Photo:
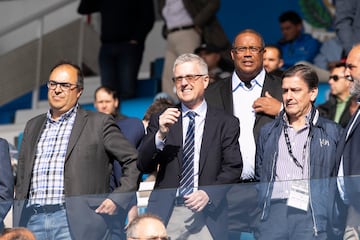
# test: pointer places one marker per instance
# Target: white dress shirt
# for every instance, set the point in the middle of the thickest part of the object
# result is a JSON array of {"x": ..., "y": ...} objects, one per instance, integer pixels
[
  {"x": 243, "y": 99},
  {"x": 199, "y": 130}
]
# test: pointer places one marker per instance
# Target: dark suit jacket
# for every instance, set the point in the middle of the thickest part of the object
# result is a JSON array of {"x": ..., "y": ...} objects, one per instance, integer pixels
[
  {"x": 95, "y": 140},
  {"x": 6, "y": 181},
  {"x": 350, "y": 150},
  {"x": 220, "y": 163},
  {"x": 328, "y": 110},
  {"x": 219, "y": 95},
  {"x": 134, "y": 131}
]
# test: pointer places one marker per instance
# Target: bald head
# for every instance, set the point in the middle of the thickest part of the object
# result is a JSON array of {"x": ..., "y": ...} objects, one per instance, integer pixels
[{"x": 146, "y": 226}]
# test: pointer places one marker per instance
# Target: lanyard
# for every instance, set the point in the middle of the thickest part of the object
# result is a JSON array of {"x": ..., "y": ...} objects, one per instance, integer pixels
[{"x": 288, "y": 144}]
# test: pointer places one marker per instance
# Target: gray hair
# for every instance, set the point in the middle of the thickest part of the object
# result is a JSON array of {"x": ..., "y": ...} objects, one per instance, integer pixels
[{"x": 189, "y": 57}]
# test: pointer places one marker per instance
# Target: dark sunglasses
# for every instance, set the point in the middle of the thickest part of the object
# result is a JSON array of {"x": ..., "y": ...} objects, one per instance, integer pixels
[{"x": 335, "y": 77}]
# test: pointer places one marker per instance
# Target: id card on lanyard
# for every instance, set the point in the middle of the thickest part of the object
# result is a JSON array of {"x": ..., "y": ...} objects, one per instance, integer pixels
[{"x": 299, "y": 195}]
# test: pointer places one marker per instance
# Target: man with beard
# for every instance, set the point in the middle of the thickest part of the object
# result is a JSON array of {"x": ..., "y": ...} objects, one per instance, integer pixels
[{"x": 348, "y": 152}]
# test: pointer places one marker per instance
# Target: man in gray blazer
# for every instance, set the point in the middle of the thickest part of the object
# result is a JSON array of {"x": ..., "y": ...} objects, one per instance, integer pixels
[{"x": 65, "y": 165}]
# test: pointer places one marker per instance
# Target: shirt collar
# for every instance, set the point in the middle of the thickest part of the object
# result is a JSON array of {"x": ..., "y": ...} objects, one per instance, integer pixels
[
  {"x": 200, "y": 110},
  {"x": 257, "y": 81},
  {"x": 307, "y": 118},
  {"x": 64, "y": 116},
  {"x": 338, "y": 100}
]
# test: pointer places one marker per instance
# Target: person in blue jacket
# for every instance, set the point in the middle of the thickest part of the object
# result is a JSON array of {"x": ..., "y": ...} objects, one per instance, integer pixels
[
  {"x": 295, "y": 160},
  {"x": 6, "y": 182},
  {"x": 295, "y": 44}
]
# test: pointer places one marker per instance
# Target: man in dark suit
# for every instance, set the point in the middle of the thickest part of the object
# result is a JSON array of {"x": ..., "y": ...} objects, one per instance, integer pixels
[
  {"x": 253, "y": 96},
  {"x": 64, "y": 166},
  {"x": 348, "y": 152},
  {"x": 214, "y": 151},
  {"x": 6, "y": 182}
]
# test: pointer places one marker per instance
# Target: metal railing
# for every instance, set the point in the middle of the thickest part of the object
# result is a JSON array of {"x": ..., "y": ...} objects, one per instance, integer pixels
[{"x": 39, "y": 19}]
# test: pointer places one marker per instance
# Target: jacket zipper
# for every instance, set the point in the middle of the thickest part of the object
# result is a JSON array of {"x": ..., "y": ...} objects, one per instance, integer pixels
[
  {"x": 268, "y": 188},
  {"x": 310, "y": 198}
]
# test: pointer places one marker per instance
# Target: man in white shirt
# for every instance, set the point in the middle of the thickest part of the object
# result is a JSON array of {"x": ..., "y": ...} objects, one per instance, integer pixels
[{"x": 253, "y": 96}]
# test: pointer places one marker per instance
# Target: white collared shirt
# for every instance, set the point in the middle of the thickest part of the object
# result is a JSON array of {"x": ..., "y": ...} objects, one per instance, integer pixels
[
  {"x": 199, "y": 130},
  {"x": 175, "y": 14},
  {"x": 243, "y": 99}
]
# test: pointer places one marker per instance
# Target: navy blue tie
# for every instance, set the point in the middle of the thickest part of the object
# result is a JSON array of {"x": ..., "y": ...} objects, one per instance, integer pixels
[{"x": 187, "y": 173}]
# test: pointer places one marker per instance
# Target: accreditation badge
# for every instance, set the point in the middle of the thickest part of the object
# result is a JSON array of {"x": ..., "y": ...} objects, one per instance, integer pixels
[{"x": 299, "y": 195}]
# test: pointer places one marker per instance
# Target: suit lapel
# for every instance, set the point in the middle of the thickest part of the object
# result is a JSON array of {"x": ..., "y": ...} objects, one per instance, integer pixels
[
  {"x": 208, "y": 136},
  {"x": 174, "y": 139},
  {"x": 267, "y": 86},
  {"x": 356, "y": 123},
  {"x": 227, "y": 98},
  {"x": 37, "y": 128},
  {"x": 80, "y": 121}
]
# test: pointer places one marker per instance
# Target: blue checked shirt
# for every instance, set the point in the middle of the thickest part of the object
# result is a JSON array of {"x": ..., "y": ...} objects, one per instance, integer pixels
[{"x": 47, "y": 183}]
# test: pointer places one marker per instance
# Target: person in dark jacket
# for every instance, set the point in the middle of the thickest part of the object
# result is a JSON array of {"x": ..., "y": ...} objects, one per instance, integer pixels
[
  {"x": 6, "y": 182},
  {"x": 338, "y": 106},
  {"x": 124, "y": 28},
  {"x": 295, "y": 160}
]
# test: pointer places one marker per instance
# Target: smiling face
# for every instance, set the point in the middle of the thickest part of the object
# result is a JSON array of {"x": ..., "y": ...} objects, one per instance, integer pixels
[
  {"x": 297, "y": 97},
  {"x": 247, "y": 64},
  {"x": 190, "y": 93},
  {"x": 61, "y": 101}
]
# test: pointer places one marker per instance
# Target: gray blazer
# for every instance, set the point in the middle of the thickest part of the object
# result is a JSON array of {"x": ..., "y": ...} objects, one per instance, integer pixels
[{"x": 94, "y": 141}]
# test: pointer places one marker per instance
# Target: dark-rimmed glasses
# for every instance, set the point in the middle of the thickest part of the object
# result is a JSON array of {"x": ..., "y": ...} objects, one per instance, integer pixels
[
  {"x": 335, "y": 77},
  {"x": 243, "y": 49},
  {"x": 65, "y": 86},
  {"x": 191, "y": 78}
]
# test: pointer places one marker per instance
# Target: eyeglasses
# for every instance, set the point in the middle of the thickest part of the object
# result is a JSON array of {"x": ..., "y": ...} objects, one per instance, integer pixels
[
  {"x": 65, "y": 86},
  {"x": 243, "y": 49},
  {"x": 335, "y": 77},
  {"x": 191, "y": 78},
  {"x": 152, "y": 238},
  {"x": 350, "y": 66}
]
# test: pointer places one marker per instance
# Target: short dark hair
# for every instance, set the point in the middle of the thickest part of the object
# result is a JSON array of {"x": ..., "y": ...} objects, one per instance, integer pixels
[
  {"x": 337, "y": 65},
  {"x": 305, "y": 72},
  {"x": 80, "y": 75},
  {"x": 290, "y": 16},
  {"x": 108, "y": 90},
  {"x": 253, "y": 32},
  {"x": 158, "y": 105},
  {"x": 276, "y": 47}
]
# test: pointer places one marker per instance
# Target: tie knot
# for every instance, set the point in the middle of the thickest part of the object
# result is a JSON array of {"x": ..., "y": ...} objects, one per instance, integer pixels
[
  {"x": 191, "y": 115},
  {"x": 248, "y": 85}
]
